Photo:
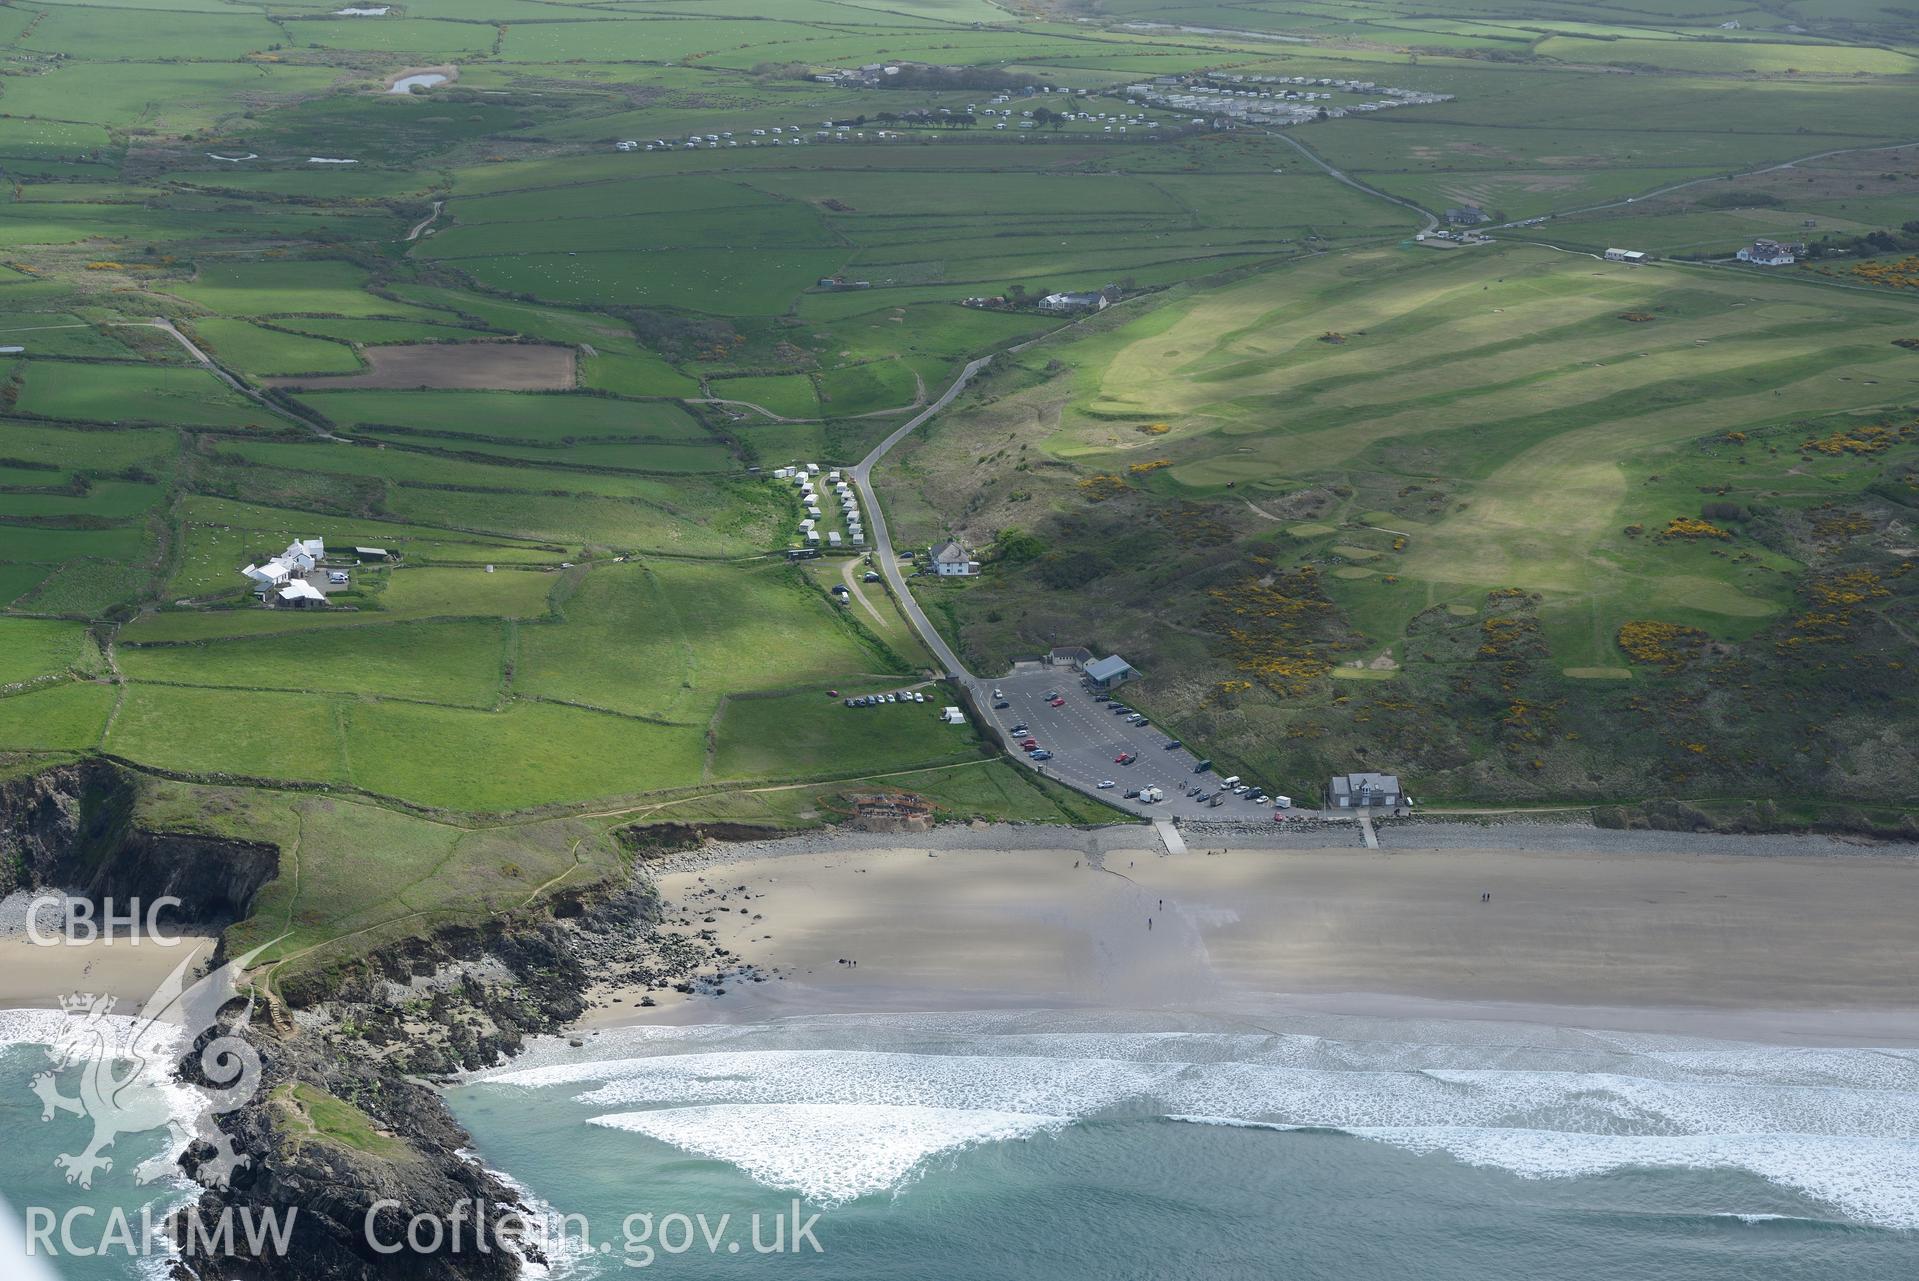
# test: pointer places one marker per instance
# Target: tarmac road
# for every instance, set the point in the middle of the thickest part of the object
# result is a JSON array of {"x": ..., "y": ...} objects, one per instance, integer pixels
[{"x": 1083, "y": 735}]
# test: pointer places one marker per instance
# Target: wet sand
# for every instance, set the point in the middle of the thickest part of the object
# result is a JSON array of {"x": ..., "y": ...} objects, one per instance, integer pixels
[{"x": 1778, "y": 948}]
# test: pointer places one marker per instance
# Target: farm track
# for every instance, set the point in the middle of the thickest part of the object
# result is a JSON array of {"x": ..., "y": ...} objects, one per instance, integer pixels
[
  {"x": 1432, "y": 219},
  {"x": 419, "y": 228}
]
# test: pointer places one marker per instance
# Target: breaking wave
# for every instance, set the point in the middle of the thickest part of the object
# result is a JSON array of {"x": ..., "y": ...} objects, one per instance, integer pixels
[{"x": 842, "y": 1108}]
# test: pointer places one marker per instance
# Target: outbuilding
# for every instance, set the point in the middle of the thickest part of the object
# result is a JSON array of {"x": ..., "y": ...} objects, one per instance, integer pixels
[
  {"x": 300, "y": 593},
  {"x": 1105, "y": 673}
]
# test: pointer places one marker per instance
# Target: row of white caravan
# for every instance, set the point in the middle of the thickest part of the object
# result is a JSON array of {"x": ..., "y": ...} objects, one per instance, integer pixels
[{"x": 803, "y": 476}]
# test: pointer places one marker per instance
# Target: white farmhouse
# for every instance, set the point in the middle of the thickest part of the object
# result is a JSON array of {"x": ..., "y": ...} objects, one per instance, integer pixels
[{"x": 950, "y": 560}]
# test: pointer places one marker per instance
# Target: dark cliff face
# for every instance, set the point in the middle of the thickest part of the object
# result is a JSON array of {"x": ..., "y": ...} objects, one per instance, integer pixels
[
  {"x": 341, "y": 1121},
  {"x": 73, "y": 828},
  {"x": 332, "y": 1189}
]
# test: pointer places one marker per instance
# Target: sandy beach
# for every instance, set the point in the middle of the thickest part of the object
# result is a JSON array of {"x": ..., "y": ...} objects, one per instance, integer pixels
[
  {"x": 1789, "y": 947},
  {"x": 35, "y": 975}
]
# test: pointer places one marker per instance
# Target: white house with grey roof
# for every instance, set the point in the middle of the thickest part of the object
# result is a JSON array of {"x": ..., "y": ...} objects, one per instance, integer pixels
[{"x": 950, "y": 560}]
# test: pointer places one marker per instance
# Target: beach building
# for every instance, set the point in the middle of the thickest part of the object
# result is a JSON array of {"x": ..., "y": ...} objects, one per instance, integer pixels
[
  {"x": 1364, "y": 790},
  {"x": 1633, "y": 256},
  {"x": 1111, "y": 671},
  {"x": 1073, "y": 656}
]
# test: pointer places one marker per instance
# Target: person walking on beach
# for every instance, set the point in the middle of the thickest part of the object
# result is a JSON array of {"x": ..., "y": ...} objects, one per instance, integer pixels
[{"x": 1149, "y": 925}]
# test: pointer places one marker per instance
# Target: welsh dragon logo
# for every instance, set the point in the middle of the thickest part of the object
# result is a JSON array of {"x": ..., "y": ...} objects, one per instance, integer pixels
[{"x": 126, "y": 1080}]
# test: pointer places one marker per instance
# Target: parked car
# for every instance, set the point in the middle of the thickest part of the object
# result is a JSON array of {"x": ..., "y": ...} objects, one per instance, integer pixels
[
  {"x": 1196, "y": 791},
  {"x": 1200, "y": 767},
  {"x": 1057, "y": 702},
  {"x": 1050, "y": 695},
  {"x": 1018, "y": 729},
  {"x": 832, "y": 693},
  {"x": 1042, "y": 755},
  {"x": 999, "y": 693},
  {"x": 1029, "y": 743},
  {"x": 1171, "y": 743},
  {"x": 1121, "y": 759},
  {"x": 849, "y": 702},
  {"x": 1132, "y": 793},
  {"x": 1001, "y": 705},
  {"x": 1105, "y": 783}
]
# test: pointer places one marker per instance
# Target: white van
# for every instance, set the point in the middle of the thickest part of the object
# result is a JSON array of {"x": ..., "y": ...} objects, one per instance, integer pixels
[{"x": 1229, "y": 782}]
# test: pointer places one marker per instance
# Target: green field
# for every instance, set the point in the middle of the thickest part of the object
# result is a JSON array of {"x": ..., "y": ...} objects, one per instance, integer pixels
[{"x": 1517, "y": 522}]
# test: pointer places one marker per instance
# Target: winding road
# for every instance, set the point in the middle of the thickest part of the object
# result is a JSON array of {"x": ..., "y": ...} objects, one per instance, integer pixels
[{"x": 883, "y": 553}]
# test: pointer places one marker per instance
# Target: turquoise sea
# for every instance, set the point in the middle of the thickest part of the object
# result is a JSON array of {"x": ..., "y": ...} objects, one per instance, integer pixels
[
  {"x": 1060, "y": 1146},
  {"x": 1066, "y": 1146}
]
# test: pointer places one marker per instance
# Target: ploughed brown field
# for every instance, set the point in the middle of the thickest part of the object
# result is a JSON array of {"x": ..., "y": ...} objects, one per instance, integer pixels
[{"x": 466, "y": 366}]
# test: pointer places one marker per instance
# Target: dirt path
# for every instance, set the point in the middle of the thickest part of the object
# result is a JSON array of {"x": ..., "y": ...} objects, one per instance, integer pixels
[
  {"x": 419, "y": 228},
  {"x": 854, "y": 586}
]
